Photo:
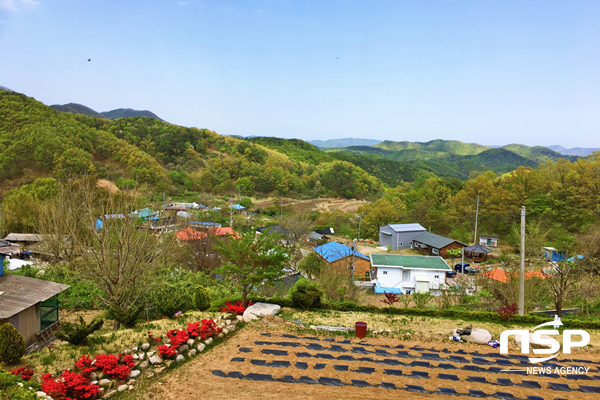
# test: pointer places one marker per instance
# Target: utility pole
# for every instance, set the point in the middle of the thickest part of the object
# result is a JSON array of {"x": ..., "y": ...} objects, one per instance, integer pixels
[
  {"x": 522, "y": 269},
  {"x": 1, "y": 230},
  {"x": 282, "y": 205},
  {"x": 359, "y": 221},
  {"x": 230, "y": 212},
  {"x": 476, "y": 217},
  {"x": 353, "y": 258}
]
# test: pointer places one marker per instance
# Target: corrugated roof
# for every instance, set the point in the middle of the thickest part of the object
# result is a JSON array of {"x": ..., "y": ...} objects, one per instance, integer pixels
[
  {"x": 21, "y": 292},
  {"x": 406, "y": 227},
  {"x": 191, "y": 234},
  {"x": 226, "y": 231},
  {"x": 433, "y": 240},
  {"x": 334, "y": 251},
  {"x": 274, "y": 228},
  {"x": 23, "y": 237},
  {"x": 477, "y": 248},
  {"x": 412, "y": 262},
  {"x": 489, "y": 236}
]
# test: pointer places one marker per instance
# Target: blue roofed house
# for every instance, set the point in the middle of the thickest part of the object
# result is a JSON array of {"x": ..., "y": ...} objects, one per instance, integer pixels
[
  {"x": 394, "y": 273},
  {"x": 399, "y": 236},
  {"x": 338, "y": 255}
]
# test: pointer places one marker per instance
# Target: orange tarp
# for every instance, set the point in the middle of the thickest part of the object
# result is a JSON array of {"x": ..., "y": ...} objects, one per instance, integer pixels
[
  {"x": 190, "y": 234},
  {"x": 500, "y": 275},
  {"x": 226, "y": 231}
]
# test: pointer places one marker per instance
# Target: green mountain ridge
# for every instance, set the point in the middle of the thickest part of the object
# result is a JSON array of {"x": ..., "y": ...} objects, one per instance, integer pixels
[
  {"x": 345, "y": 142},
  {"x": 76, "y": 108}
]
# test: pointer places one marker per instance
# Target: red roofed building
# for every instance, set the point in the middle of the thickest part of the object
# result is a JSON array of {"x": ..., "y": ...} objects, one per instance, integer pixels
[
  {"x": 224, "y": 232},
  {"x": 191, "y": 234}
]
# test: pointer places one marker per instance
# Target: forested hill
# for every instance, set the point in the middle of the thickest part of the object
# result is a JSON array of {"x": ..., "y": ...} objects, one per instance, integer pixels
[
  {"x": 113, "y": 114},
  {"x": 37, "y": 141}
]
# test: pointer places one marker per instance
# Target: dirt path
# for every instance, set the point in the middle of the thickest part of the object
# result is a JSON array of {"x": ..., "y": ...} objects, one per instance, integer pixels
[{"x": 254, "y": 362}]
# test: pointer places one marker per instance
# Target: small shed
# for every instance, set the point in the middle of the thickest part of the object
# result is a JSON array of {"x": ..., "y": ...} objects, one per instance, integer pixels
[
  {"x": 477, "y": 252},
  {"x": 553, "y": 255},
  {"x": 435, "y": 245},
  {"x": 488, "y": 240},
  {"x": 274, "y": 229},
  {"x": 24, "y": 238},
  {"x": 339, "y": 255},
  {"x": 223, "y": 232},
  {"x": 29, "y": 304},
  {"x": 191, "y": 234}
]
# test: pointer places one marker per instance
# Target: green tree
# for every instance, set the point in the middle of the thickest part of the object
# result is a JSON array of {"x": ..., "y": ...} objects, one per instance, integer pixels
[
  {"x": 453, "y": 253},
  {"x": 312, "y": 265},
  {"x": 245, "y": 185},
  {"x": 251, "y": 260}
]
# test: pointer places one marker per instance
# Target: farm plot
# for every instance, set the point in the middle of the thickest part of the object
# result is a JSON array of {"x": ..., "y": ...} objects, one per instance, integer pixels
[{"x": 327, "y": 362}]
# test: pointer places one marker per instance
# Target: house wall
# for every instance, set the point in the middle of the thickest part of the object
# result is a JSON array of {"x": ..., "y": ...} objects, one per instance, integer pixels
[
  {"x": 385, "y": 240},
  {"x": 406, "y": 279},
  {"x": 443, "y": 252},
  {"x": 491, "y": 243},
  {"x": 361, "y": 266},
  {"x": 27, "y": 323}
]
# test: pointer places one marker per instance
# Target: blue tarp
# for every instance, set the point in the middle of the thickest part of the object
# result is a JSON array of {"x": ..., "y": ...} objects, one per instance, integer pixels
[
  {"x": 333, "y": 251},
  {"x": 238, "y": 207},
  {"x": 99, "y": 224},
  {"x": 579, "y": 256},
  {"x": 382, "y": 290}
]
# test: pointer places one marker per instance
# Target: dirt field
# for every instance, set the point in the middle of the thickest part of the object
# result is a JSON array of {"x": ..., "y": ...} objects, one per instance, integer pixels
[
  {"x": 263, "y": 362},
  {"x": 303, "y": 206}
]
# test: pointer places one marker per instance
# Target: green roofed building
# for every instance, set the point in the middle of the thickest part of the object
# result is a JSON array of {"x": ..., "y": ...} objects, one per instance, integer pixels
[{"x": 394, "y": 273}]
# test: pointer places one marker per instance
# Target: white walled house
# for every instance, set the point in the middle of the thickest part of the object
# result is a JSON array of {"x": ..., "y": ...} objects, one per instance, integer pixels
[{"x": 407, "y": 274}]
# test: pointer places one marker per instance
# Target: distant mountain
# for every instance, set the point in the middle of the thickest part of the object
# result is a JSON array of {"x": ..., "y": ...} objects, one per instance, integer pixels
[
  {"x": 114, "y": 114},
  {"x": 325, "y": 144},
  {"x": 6, "y": 89},
  {"x": 128, "y": 112},
  {"x": 77, "y": 109},
  {"x": 575, "y": 151},
  {"x": 438, "y": 146}
]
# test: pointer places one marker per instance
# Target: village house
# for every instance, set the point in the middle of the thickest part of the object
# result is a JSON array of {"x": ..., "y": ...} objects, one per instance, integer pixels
[
  {"x": 399, "y": 236},
  {"x": 435, "y": 245},
  {"x": 30, "y": 305},
  {"x": 488, "y": 240},
  {"x": 400, "y": 274},
  {"x": 337, "y": 255}
]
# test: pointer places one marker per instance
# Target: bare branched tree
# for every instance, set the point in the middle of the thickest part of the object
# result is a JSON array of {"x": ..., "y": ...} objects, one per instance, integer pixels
[{"x": 120, "y": 259}]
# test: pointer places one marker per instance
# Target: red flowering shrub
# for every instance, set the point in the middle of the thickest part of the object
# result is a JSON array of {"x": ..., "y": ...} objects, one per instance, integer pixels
[
  {"x": 178, "y": 337},
  {"x": 152, "y": 339},
  {"x": 237, "y": 308},
  {"x": 70, "y": 386},
  {"x": 507, "y": 311},
  {"x": 193, "y": 329},
  {"x": 85, "y": 365},
  {"x": 166, "y": 351},
  {"x": 209, "y": 329},
  {"x": 24, "y": 372},
  {"x": 115, "y": 367}
]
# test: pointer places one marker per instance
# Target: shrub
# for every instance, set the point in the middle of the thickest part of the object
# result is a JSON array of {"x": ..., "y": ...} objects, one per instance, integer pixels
[
  {"x": 115, "y": 366},
  {"x": 128, "y": 318},
  {"x": 306, "y": 294},
  {"x": 508, "y": 311},
  {"x": 22, "y": 394},
  {"x": 237, "y": 308},
  {"x": 12, "y": 344},
  {"x": 421, "y": 299},
  {"x": 69, "y": 385},
  {"x": 166, "y": 351},
  {"x": 24, "y": 373},
  {"x": 170, "y": 298},
  {"x": 77, "y": 333},
  {"x": 202, "y": 298},
  {"x": 209, "y": 329},
  {"x": 178, "y": 337}
]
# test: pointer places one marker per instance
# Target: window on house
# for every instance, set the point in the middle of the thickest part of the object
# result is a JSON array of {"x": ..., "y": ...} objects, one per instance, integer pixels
[
  {"x": 401, "y": 244},
  {"x": 385, "y": 272},
  {"x": 437, "y": 276},
  {"x": 435, "y": 251}
]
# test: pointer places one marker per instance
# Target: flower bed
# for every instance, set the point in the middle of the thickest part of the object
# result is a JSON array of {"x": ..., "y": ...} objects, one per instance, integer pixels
[{"x": 237, "y": 308}]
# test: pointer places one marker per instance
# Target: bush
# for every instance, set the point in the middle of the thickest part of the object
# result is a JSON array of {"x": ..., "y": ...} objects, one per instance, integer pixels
[
  {"x": 306, "y": 294},
  {"x": 22, "y": 394},
  {"x": 77, "y": 333},
  {"x": 202, "y": 298},
  {"x": 12, "y": 344},
  {"x": 421, "y": 299},
  {"x": 127, "y": 318}
]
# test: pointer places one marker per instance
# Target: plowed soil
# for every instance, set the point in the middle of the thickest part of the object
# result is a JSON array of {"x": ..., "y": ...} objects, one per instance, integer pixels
[{"x": 277, "y": 365}]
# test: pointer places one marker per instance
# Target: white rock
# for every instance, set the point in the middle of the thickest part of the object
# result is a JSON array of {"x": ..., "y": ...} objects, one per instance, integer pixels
[
  {"x": 228, "y": 322},
  {"x": 231, "y": 328},
  {"x": 179, "y": 359},
  {"x": 107, "y": 395},
  {"x": 480, "y": 336},
  {"x": 259, "y": 310},
  {"x": 150, "y": 354},
  {"x": 134, "y": 349},
  {"x": 93, "y": 376},
  {"x": 92, "y": 383},
  {"x": 225, "y": 331},
  {"x": 182, "y": 348},
  {"x": 135, "y": 357},
  {"x": 122, "y": 388},
  {"x": 533, "y": 343},
  {"x": 40, "y": 394},
  {"x": 107, "y": 383},
  {"x": 130, "y": 387},
  {"x": 155, "y": 360},
  {"x": 126, "y": 351},
  {"x": 220, "y": 335},
  {"x": 141, "y": 356},
  {"x": 135, "y": 373},
  {"x": 190, "y": 342},
  {"x": 201, "y": 347},
  {"x": 192, "y": 353},
  {"x": 144, "y": 365},
  {"x": 209, "y": 340},
  {"x": 145, "y": 346},
  {"x": 239, "y": 317}
]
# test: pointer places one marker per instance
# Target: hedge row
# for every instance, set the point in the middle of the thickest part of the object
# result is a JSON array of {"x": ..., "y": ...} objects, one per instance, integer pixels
[{"x": 476, "y": 316}]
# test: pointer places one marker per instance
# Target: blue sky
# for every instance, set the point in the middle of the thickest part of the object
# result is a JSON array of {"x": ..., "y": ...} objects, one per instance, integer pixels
[{"x": 489, "y": 72}]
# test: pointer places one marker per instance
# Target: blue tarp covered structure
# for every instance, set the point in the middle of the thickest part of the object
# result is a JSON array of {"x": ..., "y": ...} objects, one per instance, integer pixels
[
  {"x": 334, "y": 251},
  {"x": 579, "y": 256},
  {"x": 144, "y": 213},
  {"x": 238, "y": 207},
  {"x": 382, "y": 290}
]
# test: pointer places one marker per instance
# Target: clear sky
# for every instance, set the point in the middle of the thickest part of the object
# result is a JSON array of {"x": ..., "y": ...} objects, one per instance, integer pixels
[{"x": 489, "y": 72}]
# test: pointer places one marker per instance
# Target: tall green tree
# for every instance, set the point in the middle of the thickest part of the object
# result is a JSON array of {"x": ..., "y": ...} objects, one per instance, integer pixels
[{"x": 251, "y": 260}]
